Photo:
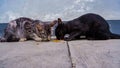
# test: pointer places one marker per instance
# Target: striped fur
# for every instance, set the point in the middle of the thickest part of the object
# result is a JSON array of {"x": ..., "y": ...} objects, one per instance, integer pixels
[{"x": 19, "y": 29}]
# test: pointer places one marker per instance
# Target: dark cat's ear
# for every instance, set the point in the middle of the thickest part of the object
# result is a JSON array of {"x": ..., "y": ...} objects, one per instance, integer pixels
[
  {"x": 53, "y": 23},
  {"x": 59, "y": 21}
]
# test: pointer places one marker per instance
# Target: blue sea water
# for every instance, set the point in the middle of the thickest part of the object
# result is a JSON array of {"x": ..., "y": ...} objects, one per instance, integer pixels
[
  {"x": 114, "y": 26},
  {"x": 2, "y": 27}
]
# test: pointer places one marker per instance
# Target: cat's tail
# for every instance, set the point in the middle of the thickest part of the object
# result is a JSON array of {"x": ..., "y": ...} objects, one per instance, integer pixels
[
  {"x": 114, "y": 36},
  {"x": 2, "y": 39}
]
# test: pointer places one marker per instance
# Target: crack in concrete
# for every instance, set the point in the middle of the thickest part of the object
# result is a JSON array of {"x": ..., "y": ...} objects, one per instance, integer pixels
[{"x": 70, "y": 56}]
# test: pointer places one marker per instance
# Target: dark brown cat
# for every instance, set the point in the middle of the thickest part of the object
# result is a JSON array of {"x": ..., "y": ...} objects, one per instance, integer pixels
[{"x": 90, "y": 25}]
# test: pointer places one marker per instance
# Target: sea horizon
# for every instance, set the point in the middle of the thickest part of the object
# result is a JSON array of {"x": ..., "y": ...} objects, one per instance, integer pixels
[{"x": 71, "y": 19}]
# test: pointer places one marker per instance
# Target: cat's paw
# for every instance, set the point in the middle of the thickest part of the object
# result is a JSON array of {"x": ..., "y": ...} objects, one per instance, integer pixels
[
  {"x": 22, "y": 39},
  {"x": 49, "y": 38},
  {"x": 38, "y": 39}
]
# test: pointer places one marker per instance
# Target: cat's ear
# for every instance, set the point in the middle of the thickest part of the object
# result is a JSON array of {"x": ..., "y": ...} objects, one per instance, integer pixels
[
  {"x": 59, "y": 21},
  {"x": 53, "y": 23}
]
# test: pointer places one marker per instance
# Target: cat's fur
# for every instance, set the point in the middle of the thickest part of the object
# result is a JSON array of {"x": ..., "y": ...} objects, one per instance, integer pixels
[
  {"x": 90, "y": 25},
  {"x": 43, "y": 29},
  {"x": 19, "y": 29}
]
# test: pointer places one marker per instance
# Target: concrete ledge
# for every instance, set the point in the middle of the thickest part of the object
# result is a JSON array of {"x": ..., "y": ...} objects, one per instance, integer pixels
[
  {"x": 55, "y": 54},
  {"x": 32, "y": 54},
  {"x": 95, "y": 54}
]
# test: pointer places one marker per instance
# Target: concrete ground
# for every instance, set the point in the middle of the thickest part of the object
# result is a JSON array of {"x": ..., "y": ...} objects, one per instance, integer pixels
[{"x": 61, "y": 54}]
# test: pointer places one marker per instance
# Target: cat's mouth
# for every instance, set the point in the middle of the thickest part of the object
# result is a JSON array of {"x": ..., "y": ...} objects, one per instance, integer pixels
[{"x": 44, "y": 37}]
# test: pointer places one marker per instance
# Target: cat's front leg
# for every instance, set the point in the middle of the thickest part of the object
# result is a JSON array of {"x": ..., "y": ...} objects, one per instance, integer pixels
[{"x": 72, "y": 36}]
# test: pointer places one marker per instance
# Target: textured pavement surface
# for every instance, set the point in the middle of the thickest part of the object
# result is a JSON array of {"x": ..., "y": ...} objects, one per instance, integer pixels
[
  {"x": 95, "y": 54},
  {"x": 61, "y": 54}
]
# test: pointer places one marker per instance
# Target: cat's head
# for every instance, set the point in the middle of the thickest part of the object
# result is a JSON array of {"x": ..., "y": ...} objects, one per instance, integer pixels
[
  {"x": 43, "y": 30},
  {"x": 60, "y": 29}
]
